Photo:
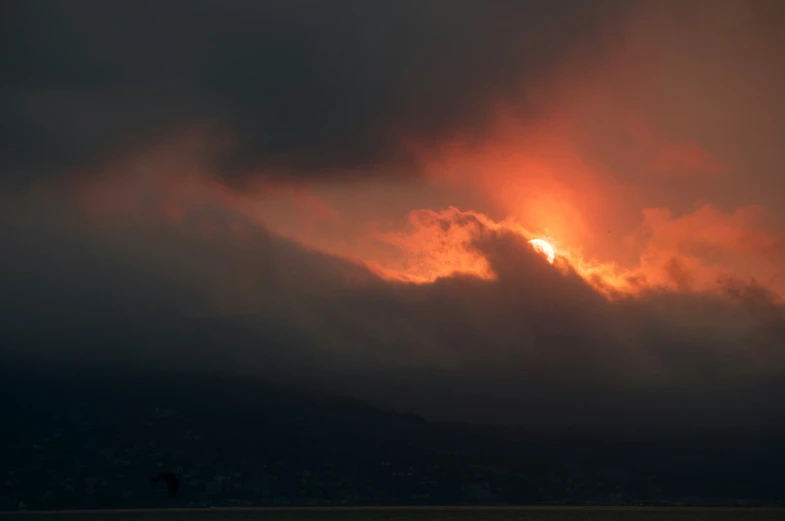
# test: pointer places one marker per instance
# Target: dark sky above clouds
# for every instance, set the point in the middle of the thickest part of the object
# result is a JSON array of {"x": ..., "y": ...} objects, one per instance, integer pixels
[
  {"x": 339, "y": 195},
  {"x": 298, "y": 85}
]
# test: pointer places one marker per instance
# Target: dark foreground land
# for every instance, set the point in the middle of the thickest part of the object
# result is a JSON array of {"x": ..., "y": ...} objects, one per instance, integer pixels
[
  {"x": 424, "y": 514},
  {"x": 93, "y": 441}
]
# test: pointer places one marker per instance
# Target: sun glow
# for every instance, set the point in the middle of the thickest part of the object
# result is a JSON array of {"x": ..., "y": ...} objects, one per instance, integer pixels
[{"x": 543, "y": 247}]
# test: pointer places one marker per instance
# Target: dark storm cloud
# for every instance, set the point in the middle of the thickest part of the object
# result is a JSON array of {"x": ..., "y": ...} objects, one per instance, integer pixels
[
  {"x": 302, "y": 87},
  {"x": 536, "y": 347}
]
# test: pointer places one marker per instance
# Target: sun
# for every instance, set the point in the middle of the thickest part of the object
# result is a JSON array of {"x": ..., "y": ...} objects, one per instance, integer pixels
[{"x": 543, "y": 247}]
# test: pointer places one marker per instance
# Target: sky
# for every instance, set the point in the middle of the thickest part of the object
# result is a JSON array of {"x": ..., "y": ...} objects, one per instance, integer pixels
[{"x": 340, "y": 195}]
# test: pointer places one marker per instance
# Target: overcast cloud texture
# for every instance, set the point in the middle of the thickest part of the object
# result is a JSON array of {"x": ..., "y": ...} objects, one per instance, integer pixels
[{"x": 339, "y": 195}]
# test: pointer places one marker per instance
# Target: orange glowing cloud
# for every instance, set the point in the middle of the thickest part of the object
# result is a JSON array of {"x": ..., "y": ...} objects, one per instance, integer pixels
[
  {"x": 534, "y": 182},
  {"x": 534, "y": 176},
  {"x": 661, "y": 154},
  {"x": 438, "y": 244},
  {"x": 164, "y": 182},
  {"x": 702, "y": 249}
]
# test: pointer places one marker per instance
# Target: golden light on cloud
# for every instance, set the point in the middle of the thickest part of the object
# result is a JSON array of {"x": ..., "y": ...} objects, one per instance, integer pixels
[
  {"x": 438, "y": 244},
  {"x": 542, "y": 246},
  {"x": 699, "y": 251}
]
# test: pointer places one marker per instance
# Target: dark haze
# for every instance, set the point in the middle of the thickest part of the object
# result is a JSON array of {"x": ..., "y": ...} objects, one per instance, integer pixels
[
  {"x": 533, "y": 348},
  {"x": 335, "y": 91},
  {"x": 285, "y": 87}
]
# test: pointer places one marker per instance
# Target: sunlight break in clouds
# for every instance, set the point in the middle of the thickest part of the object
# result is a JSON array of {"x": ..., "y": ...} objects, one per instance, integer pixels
[
  {"x": 698, "y": 252},
  {"x": 342, "y": 197}
]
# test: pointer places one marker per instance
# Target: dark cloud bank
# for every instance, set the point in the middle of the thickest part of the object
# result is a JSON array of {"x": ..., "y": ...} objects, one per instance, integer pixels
[
  {"x": 535, "y": 348},
  {"x": 296, "y": 87},
  {"x": 320, "y": 87}
]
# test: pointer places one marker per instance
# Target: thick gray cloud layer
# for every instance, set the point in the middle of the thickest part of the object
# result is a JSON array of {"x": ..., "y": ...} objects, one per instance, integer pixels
[
  {"x": 536, "y": 347},
  {"x": 324, "y": 88},
  {"x": 296, "y": 86}
]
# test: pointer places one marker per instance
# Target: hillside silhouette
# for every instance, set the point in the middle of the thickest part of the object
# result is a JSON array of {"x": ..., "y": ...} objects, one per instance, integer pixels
[{"x": 89, "y": 439}]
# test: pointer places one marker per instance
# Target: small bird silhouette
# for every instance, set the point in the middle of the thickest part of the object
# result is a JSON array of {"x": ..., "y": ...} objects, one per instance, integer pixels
[{"x": 171, "y": 481}]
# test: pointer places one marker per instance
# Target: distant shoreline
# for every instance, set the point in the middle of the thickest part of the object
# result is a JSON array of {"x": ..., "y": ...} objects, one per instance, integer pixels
[{"x": 389, "y": 508}]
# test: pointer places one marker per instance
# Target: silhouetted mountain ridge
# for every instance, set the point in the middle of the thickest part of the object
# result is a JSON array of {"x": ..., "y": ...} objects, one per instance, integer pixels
[{"x": 93, "y": 436}]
